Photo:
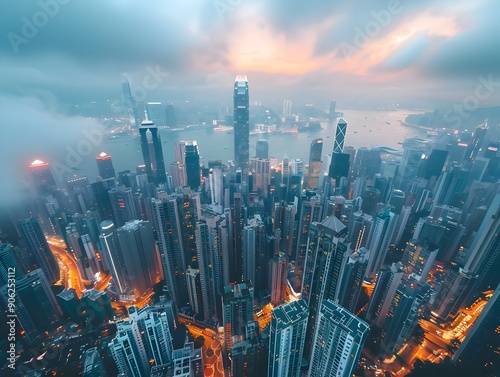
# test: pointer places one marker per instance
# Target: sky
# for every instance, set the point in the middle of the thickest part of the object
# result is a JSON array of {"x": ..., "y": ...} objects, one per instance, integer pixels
[{"x": 54, "y": 53}]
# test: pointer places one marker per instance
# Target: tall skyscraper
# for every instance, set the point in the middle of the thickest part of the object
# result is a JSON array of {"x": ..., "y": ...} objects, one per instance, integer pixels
[
  {"x": 340, "y": 133},
  {"x": 130, "y": 101},
  {"x": 137, "y": 245},
  {"x": 315, "y": 164},
  {"x": 403, "y": 314},
  {"x": 327, "y": 255},
  {"x": 192, "y": 163},
  {"x": 194, "y": 291},
  {"x": 237, "y": 221},
  {"x": 287, "y": 334},
  {"x": 142, "y": 339},
  {"x": 418, "y": 258},
  {"x": 241, "y": 122},
  {"x": 105, "y": 166},
  {"x": 43, "y": 179},
  {"x": 238, "y": 322},
  {"x": 338, "y": 341},
  {"x": 113, "y": 257},
  {"x": 123, "y": 205},
  {"x": 278, "y": 281},
  {"x": 384, "y": 225},
  {"x": 480, "y": 347},
  {"x": 32, "y": 232},
  {"x": 287, "y": 108},
  {"x": 332, "y": 113},
  {"x": 93, "y": 365},
  {"x": 152, "y": 152},
  {"x": 157, "y": 113},
  {"x": 169, "y": 233},
  {"x": 477, "y": 141},
  {"x": 262, "y": 149}
]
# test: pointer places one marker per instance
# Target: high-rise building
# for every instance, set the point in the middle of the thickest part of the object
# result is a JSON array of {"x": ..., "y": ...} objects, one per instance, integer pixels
[
  {"x": 311, "y": 211},
  {"x": 418, "y": 258},
  {"x": 43, "y": 179},
  {"x": 403, "y": 314},
  {"x": 238, "y": 322},
  {"x": 157, "y": 113},
  {"x": 262, "y": 175},
  {"x": 384, "y": 225},
  {"x": 339, "y": 168},
  {"x": 287, "y": 108},
  {"x": 142, "y": 339},
  {"x": 93, "y": 365},
  {"x": 169, "y": 235},
  {"x": 338, "y": 341},
  {"x": 352, "y": 279},
  {"x": 241, "y": 122},
  {"x": 123, "y": 205},
  {"x": 192, "y": 163},
  {"x": 477, "y": 141},
  {"x": 105, "y": 166},
  {"x": 113, "y": 257},
  {"x": 287, "y": 334},
  {"x": 237, "y": 220},
  {"x": 262, "y": 149},
  {"x": 152, "y": 152},
  {"x": 130, "y": 101},
  {"x": 388, "y": 281},
  {"x": 450, "y": 186},
  {"x": 340, "y": 133},
  {"x": 315, "y": 164},
  {"x": 278, "y": 280},
  {"x": 194, "y": 290},
  {"x": 32, "y": 232},
  {"x": 326, "y": 258},
  {"x": 332, "y": 113},
  {"x": 9, "y": 260},
  {"x": 481, "y": 345},
  {"x": 136, "y": 239}
]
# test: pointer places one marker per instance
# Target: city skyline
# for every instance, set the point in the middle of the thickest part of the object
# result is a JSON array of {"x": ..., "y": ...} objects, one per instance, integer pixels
[{"x": 250, "y": 189}]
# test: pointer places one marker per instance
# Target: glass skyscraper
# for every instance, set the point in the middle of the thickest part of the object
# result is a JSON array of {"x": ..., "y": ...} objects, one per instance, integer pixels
[{"x": 241, "y": 122}]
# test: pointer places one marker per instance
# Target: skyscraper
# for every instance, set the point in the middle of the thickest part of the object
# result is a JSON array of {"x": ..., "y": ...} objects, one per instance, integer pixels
[
  {"x": 338, "y": 146},
  {"x": 332, "y": 113},
  {"x": 338, "y": 341},
  {"x": 192, "y": 161},
  {"x": 278, "y": 281},
  {"x": 137, "y": 245},
  {"x": 157, "y": 113},
  {"x": 130, "y": 101},
  {"x": 152, "y": 152},
  {"x": 262, "y": 149},
  {"x": 403, "y": 313},
  {"x": 327, "y": 255},
  {"x": 93, "y": 365},
  {"x": 384, "y": 225},
  {"x": 241, "y": 122},
  {"x": 287, "y": 334},
  {"x": 238, "y": 322},
  {"x": 105, "y": 166},
  {"x": 43, "y": 179},
  {"x": 287, "y": 108},
  {"x": 315, "y": 164},
  {"x": 32, "y": 232}
]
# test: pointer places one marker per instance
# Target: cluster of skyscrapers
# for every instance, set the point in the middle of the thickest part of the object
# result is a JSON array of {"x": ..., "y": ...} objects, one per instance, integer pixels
[{"x": 303, "y": 240}]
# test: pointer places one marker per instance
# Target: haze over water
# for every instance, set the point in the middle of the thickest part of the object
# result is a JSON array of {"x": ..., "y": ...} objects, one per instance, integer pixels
[{"x": 215, "y": 145}]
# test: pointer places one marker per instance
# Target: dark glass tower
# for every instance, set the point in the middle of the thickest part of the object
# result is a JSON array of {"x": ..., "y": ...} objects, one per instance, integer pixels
[
  {"x": 33, "y": 234},
  {"x": 338, "y": 146},
  {"x": 105, "y": 166},
  {"x": 152, "y": 152},
  {"x": 315, "y": 164},
  {"x": 241, "y": 122},
  {"x": 192, "y": 158},
  {"x": 130, "y": 101},
  {"x": 42, "y": 177}
]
